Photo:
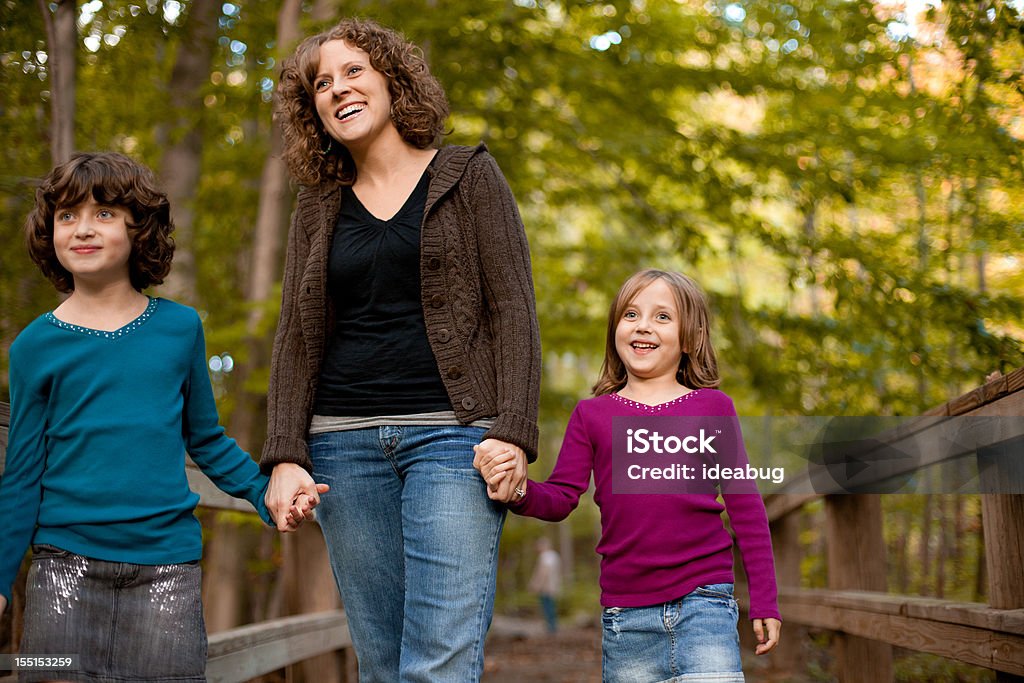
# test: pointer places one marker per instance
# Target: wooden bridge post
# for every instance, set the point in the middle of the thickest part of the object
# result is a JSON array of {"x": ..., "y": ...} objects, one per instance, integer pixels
[
  {"x": 786, "y": 548},
  {"x": 1002, "y": 468},
  {"x": 856, "y": 561}
]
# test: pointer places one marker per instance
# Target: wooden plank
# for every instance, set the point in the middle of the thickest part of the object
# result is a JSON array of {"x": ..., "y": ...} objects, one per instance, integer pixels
[
  {"x": 257, "y": 649},
  {"x": 210, "y": 496},
  {"x": 930, "y": 440},
  {"x": 998, "y": 650},
  {"x": 778, "y": 505},
  {"x": 974, "y": 614}
]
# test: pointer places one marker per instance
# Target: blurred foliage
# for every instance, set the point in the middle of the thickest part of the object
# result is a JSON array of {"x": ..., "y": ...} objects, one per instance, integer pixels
[{"x": 843, "y": 176}]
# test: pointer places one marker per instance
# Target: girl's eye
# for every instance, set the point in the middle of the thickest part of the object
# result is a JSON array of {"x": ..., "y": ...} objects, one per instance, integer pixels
[
  {"x": 64, "y": 215},
  {"x": 629, "y": 315},
  {"x": 106, "y": 213},
  {"x": 664, "y": 316}
]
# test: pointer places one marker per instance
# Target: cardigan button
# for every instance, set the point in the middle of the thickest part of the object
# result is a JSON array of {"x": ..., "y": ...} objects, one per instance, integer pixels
[
  {"x": 444, "y": 336},
  {"x": 468, "y": 403},
  {"x": 454, "y": 372},
  {"x": 433, "y": 263},
  {"x": 437, "y": 301}
]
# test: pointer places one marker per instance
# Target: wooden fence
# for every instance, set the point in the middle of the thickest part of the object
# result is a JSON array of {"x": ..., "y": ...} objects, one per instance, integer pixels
[{"x": 868, "y": 620}]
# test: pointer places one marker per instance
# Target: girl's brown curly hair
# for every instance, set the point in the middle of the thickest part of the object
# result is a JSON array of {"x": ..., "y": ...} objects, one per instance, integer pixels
[
  {"x": 419, "y": 106},
  {"x": 114, "y": 180}
]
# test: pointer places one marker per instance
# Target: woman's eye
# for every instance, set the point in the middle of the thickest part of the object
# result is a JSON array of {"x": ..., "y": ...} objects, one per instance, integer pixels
[
  {"x": 321, "y": 84},
  {"x": 354, "y": 70}
]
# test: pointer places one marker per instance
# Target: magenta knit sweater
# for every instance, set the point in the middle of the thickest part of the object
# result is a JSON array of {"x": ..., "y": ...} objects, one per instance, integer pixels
[{"x": 656, "y": 547}]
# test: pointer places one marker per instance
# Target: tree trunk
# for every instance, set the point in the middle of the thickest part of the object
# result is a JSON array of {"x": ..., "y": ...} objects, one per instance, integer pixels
[
  {"x": 180, "y": 165},
  {"x": 247, "y": 419},
  {"x": 62, "y": 45}
]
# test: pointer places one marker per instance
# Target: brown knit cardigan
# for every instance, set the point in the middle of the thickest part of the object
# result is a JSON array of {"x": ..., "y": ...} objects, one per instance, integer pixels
[{"x": 477, "y": 296}]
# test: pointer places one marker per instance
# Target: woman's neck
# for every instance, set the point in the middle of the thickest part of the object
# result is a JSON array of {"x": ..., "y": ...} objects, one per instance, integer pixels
[
  {"x": 653, "y": 391},
  {"x": 387, "y": 160}
]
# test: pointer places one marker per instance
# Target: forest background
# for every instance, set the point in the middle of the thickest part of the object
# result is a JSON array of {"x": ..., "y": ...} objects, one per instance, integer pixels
[{"x": 844, "y": 177}]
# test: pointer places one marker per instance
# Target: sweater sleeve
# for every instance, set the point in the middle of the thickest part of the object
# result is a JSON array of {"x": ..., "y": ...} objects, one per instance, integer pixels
[
  {"x": 217, "y": 455},
  {"x": 21, "y": 481},
  {"x": 508, "y": 288},
  {"x": 555, "y": 498},
  {"x": 286, "y": 421},
  {"x": 749, "y": 522}
]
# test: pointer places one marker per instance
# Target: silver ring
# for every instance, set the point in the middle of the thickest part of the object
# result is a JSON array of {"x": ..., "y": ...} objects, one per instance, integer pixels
[{"x": 521, "y": 493}]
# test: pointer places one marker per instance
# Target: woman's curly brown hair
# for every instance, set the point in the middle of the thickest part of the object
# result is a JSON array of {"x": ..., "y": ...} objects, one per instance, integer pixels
[
  {"x": 113, "y": 180},
  {"x": 419, "y": 106}
]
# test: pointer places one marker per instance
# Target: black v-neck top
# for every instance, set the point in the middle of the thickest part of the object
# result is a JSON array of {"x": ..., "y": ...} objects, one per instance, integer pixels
[{"x": 378, "y": 361}]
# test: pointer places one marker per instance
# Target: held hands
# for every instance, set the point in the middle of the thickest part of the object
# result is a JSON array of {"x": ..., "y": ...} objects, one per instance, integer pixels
[
  {"x": 503, "y": 467},
  {"x": 291, "y": 495},
  {"x": 767, "y": 633}
]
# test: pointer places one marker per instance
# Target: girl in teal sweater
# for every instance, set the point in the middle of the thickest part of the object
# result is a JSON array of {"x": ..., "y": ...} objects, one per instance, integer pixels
[{"x": 108, "y": 393}]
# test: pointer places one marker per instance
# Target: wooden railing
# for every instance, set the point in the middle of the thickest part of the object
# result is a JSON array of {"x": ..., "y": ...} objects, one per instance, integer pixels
[{"x": 866, "y": 619}]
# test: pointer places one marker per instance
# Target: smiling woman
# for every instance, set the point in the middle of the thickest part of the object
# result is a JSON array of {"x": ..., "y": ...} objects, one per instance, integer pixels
[{"x": 408, "y": 335}]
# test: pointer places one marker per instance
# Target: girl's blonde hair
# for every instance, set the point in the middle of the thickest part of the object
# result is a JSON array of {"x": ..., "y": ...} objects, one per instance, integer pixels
[{"x": 698, "y": 365}]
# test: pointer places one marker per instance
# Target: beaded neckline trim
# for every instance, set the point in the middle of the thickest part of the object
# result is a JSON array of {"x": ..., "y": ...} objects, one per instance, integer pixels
[
  {"x": 114, "y": 334},
  {"x": 660, "y": 406}
]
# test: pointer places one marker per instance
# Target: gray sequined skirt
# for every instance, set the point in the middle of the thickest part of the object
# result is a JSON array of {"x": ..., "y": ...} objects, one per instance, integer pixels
[{"x": 125, "y": 622}]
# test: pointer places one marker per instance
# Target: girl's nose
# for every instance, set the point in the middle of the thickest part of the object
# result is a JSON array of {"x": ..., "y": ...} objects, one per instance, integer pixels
[{"x": 84, "y": 228}]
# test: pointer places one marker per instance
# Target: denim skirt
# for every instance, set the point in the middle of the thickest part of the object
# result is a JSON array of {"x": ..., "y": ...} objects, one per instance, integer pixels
[
  {"x": 123, "y": 621},
  {"x": 693, "y": 639}
]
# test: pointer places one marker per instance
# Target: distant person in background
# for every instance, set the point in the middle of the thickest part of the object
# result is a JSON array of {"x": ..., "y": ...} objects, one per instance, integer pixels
[
  {"x": 666, "y": 559},
  {"x": 546, "y": 581},
  {"x": 408, "y": 335}
]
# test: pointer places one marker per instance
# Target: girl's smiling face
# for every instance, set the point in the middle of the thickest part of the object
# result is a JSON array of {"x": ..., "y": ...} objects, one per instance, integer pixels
[
  {"x": 647, "y": 334},
  {"x": 91, "y": 241}
]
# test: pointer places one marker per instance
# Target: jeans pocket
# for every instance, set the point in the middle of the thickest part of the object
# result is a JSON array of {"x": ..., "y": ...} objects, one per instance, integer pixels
[{"x": 43, "y": 551}]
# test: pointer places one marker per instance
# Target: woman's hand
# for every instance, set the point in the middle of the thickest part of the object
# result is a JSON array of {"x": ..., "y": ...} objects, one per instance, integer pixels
[
  {"x": 767, "y": 633},
  {"x": 503, "y": 467},
  {"x": 291, "y": 495}
]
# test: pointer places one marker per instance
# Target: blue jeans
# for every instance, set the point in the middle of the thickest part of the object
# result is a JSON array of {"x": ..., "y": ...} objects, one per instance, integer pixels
[
  {"x": 550, "y": 609},
  {"x": 413, "y": 542},
  {"x": 692, "y": 639}
]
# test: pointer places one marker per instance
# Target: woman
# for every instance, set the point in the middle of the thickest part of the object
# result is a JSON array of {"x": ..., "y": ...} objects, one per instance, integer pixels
[{"x": 408, "y": 334}]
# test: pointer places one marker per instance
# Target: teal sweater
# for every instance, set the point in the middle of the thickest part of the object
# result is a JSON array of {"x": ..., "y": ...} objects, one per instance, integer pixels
[{"x": 100, "y": 423}]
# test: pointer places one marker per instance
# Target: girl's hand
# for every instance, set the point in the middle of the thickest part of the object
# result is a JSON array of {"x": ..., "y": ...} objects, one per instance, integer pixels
[
  {"x": 284, "y": 498},
  {"x": 767, "y": 633},
  {"x": 503, "y": 467},
  {"x": 302, "y": 509}
]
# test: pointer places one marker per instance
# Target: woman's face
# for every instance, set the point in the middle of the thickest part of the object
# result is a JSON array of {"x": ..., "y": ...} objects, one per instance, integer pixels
[{"x": 351, "y": 97}]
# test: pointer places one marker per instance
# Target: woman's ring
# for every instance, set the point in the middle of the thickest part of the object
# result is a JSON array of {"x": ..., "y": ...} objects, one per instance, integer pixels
[{"x": 521, "y": 493}]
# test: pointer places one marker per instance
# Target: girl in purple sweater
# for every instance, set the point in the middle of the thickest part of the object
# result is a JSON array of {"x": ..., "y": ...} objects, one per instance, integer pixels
[{"x": 666, "y": 559}]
